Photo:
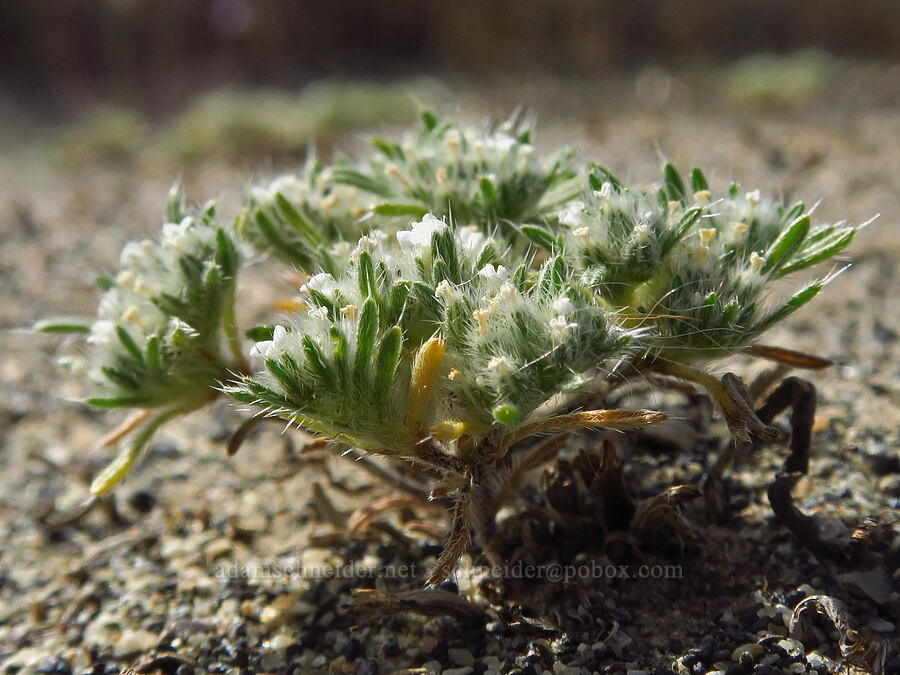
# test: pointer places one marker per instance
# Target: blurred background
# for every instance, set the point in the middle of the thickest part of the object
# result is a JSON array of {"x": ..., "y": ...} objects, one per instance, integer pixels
[
  {"x": 104, "y": 103},
  {"x": 155, "y": 54}
]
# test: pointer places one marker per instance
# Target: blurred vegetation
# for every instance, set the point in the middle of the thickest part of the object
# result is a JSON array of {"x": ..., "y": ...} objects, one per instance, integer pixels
[
  {"x": 780, "y": 81},
  {"x": 261, "y": 123},
  {"x": 243, "y": 125},
  {"x": 104, "y": 133}
]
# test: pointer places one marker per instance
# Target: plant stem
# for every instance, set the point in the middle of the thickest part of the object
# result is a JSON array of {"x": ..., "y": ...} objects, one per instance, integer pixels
[{"x": 126, "y": 458}]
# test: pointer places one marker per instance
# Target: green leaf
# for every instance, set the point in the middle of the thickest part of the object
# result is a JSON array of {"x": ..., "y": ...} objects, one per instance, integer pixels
[
  {"x": 63, "y": 325},
  {"x": 297, "y": 220},
  {"x": 429, "y": 119},
  {"x": 389, "y": 150},
  {"x": 345, "y": 176},
  {"x": 824, "y": 249},
  {"x": 130, "y": 345},
  {"x": 174, "y": 205},
  {"x": 152, "y": 354},
  {"x": 226, "y": 254},
  {"x": 796, "y": 301},
  {"x": 368, "y": 286},
  {"x": 340, "y": 352},
  {"x": 120, "y": 402},
  {"x": 487, "y": 255},
  {"x": 317, "y": 363},
  {"x": 488, "y": 191},
  {"x": 673, "y": 183},
  {"x": 261, "y": 333},
  {"x": 104, "y": 282},
  {"x": 287, "y": 381},
  {"x": 698, "y": 180},
  {"x": 276, "y": 241},
  {"x": 541, "y": 237},
  {"x": 395, "y": 209},
  {"x": 388, "y": 359},
  {"x": 795, "y": 211},
  {"x": 786, "y": 244},
  {"x": 599, "y": 175},
  {"x": 366, "y": 331}
]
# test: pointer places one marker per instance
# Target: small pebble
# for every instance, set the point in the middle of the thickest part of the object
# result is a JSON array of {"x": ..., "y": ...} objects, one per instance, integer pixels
[
  {"x": 460, "y": 657},
  {"x": 752, "y": 648},
  {"x": 368, "y": 667},
  {"x": 134, "y": 641}
]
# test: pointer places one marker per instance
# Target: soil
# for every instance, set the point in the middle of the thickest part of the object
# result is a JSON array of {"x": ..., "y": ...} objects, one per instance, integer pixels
[{"x": 203, "y": 562}]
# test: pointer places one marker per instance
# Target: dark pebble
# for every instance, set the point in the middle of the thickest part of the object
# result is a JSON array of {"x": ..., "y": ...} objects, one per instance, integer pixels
[
  {"x": 479, "y": 668},
  {"x": 676, "y": 646},
  {"x": 736, "y": 669},
  {"x": 450, "y": 587},
  {"x": 760, "y": 623},
  {"x": 55, "y": 666},
  {"x": 662, "y": 670},
  {"x": 747, "y": 661},
  {"x": 708, "y": 650},
  {"x": 766, "y": 670},
  {"x": 892, "y": 667},
  {"x": 293, "y": 651},
  {"x": 884, "y": 463},
  {"x": 368, "y": 667},
  {"x": 353, "y": 649},
  {"x": 142, "y": 501},
  {"x": 391, "y": 649},
  {"x": 163, "y": 449},
  {"x": 793, "y": 598},
  {"x": 691, "y": 658}
]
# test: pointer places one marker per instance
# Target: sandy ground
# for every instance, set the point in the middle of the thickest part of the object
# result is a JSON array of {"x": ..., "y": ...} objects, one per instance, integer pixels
[{"x": 202, "y": 564}]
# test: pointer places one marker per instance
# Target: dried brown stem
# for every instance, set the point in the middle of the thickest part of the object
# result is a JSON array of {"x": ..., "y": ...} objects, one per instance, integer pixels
[{"x": 456, "y": 540}]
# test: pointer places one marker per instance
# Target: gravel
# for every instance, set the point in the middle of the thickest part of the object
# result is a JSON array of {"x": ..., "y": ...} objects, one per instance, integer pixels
[{"x": 205, "y": 564}]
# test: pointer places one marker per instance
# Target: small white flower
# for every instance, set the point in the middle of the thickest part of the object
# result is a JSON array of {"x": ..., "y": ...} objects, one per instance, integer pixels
[
  {"x": 319, "y": 314},
  {"x": 134, "y": 251},
  {"x": 494, "y": 277},
  {"x": 322, "y": 282},
  {"x": 262, "y": 195},
  {"x": 752, "y": 197},
  {"x": 288, "y": 186},
  {"x": 367, "y": 244},
  {"x": 560, "y": 327},
  {"x": 419, "y": 236},
  {"x": 563, "y": 306},
  {"x": 268, "y": 348},
  {"x": 103, "y": 332},
  {"x": 445, "y": 291},
  {"x": 471, "y": 240},
  {"x": 641, "y": 233},
  {"x": 756, "y": 262},
  {"x": 176, "y": 236},
  {"x": 572, "y": 215},
  {"x": 500, "y": 365},
  {"x": 507, "y": 296}
]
